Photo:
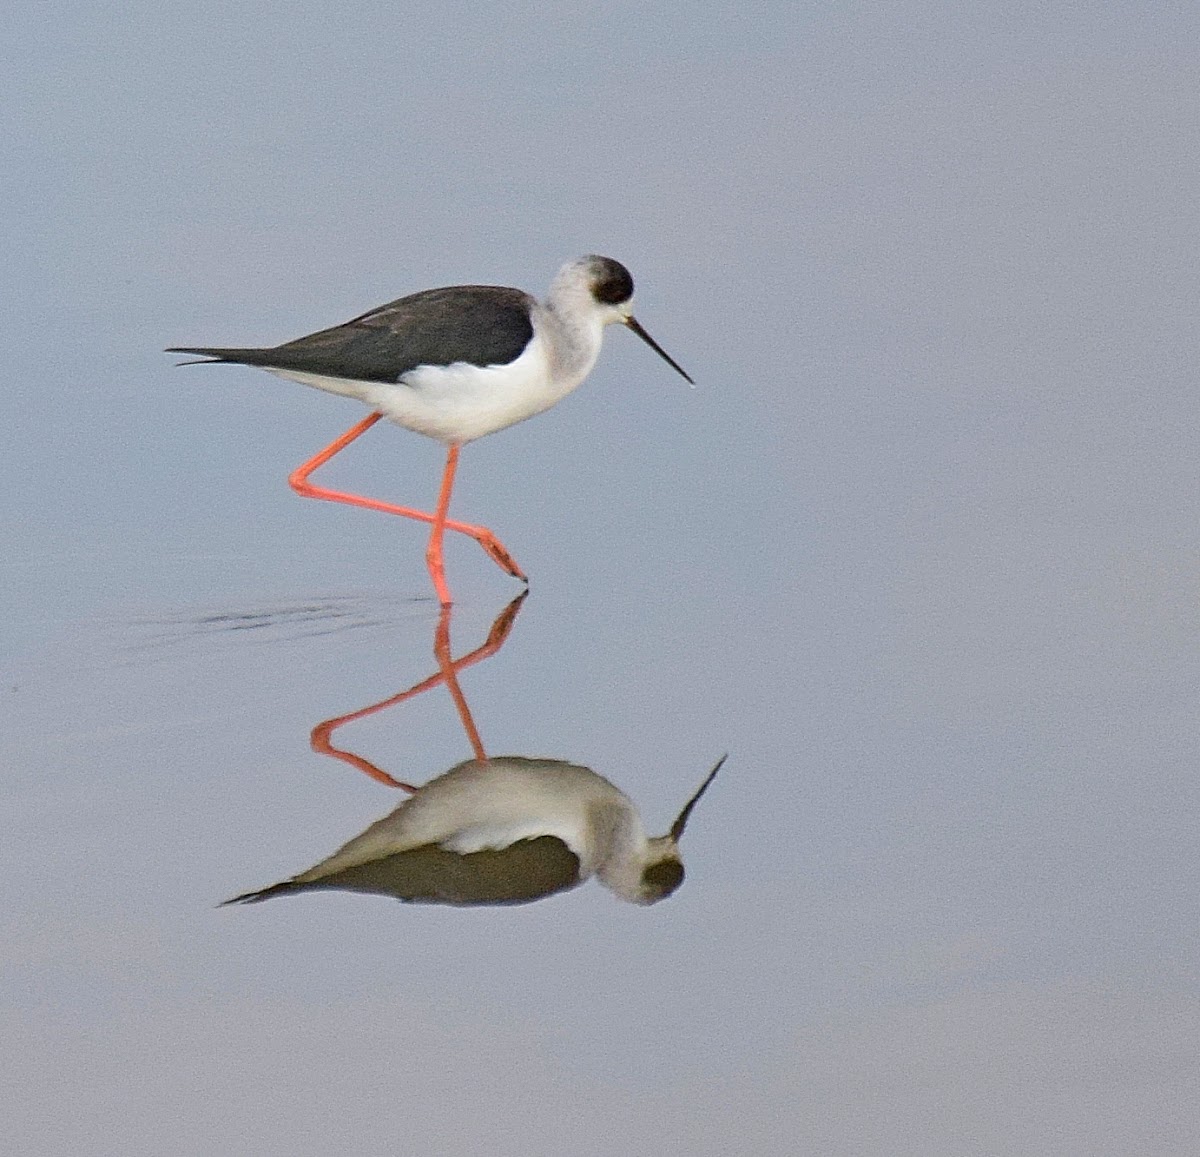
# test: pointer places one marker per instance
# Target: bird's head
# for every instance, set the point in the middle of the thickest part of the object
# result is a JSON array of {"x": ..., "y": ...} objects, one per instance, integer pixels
[{"x": 608, "y": 287}]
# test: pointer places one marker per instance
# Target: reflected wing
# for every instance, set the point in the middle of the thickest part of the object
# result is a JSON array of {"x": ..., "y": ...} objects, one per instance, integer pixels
[
  {"x": 482, "y": 324},
  {"x": 524, "y": 871}
]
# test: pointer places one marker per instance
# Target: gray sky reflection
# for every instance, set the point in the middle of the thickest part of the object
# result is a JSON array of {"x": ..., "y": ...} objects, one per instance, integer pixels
[{"x": 919, "y": 550}]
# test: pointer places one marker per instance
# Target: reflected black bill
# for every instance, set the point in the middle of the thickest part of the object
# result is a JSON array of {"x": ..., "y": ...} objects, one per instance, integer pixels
[
  {"x": 633, "y": 324},
  {"x": 681, "y": 823}
]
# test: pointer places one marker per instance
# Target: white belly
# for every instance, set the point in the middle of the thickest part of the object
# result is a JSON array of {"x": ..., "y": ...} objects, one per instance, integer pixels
[{"x": 460, "y": 402}]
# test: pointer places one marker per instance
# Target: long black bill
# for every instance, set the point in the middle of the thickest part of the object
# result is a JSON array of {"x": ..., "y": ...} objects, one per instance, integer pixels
[
  {"x": 681, "y": 823},
  {"x": 633, "y": 324}
]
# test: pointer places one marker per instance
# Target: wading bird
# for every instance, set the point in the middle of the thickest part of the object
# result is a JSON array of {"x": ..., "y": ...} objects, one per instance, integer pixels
[{"x": 455, "y": 364}]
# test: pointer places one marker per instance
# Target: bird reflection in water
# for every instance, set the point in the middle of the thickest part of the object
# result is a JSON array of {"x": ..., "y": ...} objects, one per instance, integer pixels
[{"x": 500, "y": 830}]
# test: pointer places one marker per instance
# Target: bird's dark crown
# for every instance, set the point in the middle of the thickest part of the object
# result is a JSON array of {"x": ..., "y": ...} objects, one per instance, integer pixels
[
  {"x": 662, "y": 878},
  {"x": 611, "y": 281}
]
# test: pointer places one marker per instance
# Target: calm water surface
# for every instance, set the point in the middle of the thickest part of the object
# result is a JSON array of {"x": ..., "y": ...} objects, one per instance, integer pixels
[{"x": 919, "y": 552}]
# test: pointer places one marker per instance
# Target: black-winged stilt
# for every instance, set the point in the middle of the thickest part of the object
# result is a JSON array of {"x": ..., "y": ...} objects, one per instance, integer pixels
[{"x": 455, "y": 364}]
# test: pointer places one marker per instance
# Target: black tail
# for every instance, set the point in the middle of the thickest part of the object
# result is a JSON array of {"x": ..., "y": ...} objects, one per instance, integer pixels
[
  {"x": 209, "y": 355},
  {"x": 263, "y": 894}
]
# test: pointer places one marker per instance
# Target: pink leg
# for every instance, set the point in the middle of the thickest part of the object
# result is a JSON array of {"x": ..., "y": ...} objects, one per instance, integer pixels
[
  {"x": 433, "y": 552},
  {"x": 298, "y": 480}
]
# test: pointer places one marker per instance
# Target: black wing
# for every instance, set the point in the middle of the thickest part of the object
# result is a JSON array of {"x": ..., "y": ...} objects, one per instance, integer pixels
[
  {"x": 524, "y": 871},
  {"x": 485, "y": 325}
]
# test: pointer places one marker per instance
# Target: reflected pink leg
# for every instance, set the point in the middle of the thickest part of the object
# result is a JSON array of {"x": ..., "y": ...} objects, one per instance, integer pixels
[{"x": 448, "y": 670}]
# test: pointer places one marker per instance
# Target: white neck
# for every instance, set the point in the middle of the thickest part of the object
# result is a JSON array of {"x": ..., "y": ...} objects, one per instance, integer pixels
[{"x": 623, "y": 848}]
